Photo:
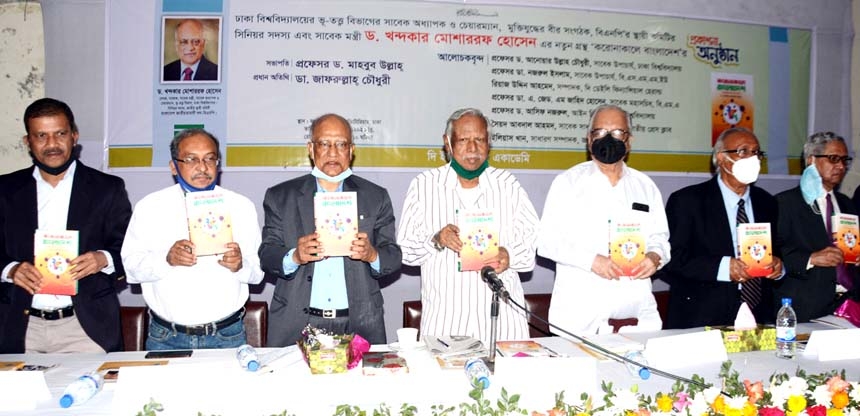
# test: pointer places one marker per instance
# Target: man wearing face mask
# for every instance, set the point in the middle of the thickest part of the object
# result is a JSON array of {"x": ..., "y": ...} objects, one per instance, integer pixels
[
  {"x": 60, "y": 193},
  {"x": 456, "y": 302},
  {"x": 581, "y": 206},
  {"x": 195, "y": 301},
  {"x": 708, "y": 281},
  {"x": 815, "y": 269},
  {"x": 339, "y": 294}
]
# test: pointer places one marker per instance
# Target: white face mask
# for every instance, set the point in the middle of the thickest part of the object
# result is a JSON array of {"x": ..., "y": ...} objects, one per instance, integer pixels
[{"x": 746, "y": 170}]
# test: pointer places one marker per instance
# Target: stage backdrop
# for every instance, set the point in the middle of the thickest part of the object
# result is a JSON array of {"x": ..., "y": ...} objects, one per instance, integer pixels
[{"x": 396, "y": 70}]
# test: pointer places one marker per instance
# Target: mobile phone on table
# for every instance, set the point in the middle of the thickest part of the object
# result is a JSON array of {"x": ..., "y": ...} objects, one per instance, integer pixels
[{"x": 168, "y": 354}]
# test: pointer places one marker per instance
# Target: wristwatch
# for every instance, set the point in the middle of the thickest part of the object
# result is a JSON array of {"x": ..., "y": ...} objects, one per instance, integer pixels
[{"x": 436, "y": 245}]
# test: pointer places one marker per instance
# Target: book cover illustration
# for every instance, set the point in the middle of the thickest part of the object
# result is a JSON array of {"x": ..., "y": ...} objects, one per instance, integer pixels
[
  {"x": 379, "y": 363},
  {"x": 479, "y": 234},
  {"x": 524, "y": 348},
  {"x": 626, "y": 245},
  {"x": 53, "y": 252},
  {"x": 845, "y": 234},
  {"x": 209, "y": 225},
  {"x": 336, "y": 219},
  {"x": 755, "y": 248},
  {"x": 11, "y": 365}
]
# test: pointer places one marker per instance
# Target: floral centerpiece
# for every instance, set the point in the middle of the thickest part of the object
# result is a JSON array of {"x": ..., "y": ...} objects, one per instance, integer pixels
[{"x": 328, "y": 353}]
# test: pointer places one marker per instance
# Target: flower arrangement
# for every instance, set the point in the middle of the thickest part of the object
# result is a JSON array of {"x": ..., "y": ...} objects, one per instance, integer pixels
[{"x": 826, "y": 394}]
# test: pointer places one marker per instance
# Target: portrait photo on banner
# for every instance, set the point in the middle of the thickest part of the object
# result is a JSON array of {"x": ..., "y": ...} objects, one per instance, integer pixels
[{"x": 190, "y": 49}]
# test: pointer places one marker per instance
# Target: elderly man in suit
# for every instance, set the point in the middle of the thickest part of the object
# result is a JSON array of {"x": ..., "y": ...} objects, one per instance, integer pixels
[
  {"x": 815, "y": 269},
  {"x": 60, "y": 193},
  {"x": 192, "y": 65},
  {"x": 708, "y": 281},
  {"x": 340, "y": 294}
]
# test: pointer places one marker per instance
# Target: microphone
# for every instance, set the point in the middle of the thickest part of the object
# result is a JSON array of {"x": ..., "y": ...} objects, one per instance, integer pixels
[{"x": 489, "y": 276}]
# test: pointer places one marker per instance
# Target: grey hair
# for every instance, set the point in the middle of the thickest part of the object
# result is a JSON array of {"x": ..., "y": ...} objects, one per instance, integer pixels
[
  {"x": 317, "y": 121},
  {"x": 184, "y": 134},
  {"x": 196, "y": 22},
  {"x": 449, "y": 126},
  {"x": 720, "y": 144},
  {"x": 817, "y": 142},
  {"x": 602, "y": 107}
]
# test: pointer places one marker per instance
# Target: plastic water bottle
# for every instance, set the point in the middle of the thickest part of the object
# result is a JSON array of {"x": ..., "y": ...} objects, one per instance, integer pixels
[
  {"x": 634, "y": 369},
  {"x": 247, "y": 357},
  {"x": 786, "y": 330},
  {"x": 82, "y": 389},
  {"x": 478, "y": 373}
]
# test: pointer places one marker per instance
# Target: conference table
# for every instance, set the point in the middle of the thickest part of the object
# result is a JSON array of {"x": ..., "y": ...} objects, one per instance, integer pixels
[{"x": 213, "y": 382}]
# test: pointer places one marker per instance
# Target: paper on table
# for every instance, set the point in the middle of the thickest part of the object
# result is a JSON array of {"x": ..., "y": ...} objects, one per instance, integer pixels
[
  {"x": 673, "y": 351},
  {"x": 833, "y": 344},
  {"x": 23, "y": 390}
]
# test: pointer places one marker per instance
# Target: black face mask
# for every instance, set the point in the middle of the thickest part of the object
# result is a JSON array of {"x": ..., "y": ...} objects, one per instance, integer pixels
[
  {"x": 53, "y": 171},
  {"x": 608, "y": 149}
]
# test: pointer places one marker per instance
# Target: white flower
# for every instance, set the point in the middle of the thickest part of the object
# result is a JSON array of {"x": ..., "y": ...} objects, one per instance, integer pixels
[
  {"x": 796, "y": 386},
  {"x": 855, "y": 391},
  {"x": 625, "y": 400},
  {"x": 736, "y": 402},
  {"x": 698, "y": 404},
  {"x": 779, "y": 394},
  {"x": 711, "y": 394},
  {"x": 822, "y": 395}
]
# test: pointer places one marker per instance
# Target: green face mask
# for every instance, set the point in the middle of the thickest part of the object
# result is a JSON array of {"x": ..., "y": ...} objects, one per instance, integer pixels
[{"x": 468, "y": 174}]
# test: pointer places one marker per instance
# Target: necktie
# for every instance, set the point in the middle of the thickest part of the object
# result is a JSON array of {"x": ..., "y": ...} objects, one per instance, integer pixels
[
  {"x": 843, "y": 272},
  {"x": 751, "y": 289},
  {"x": 186, "y": 74}
]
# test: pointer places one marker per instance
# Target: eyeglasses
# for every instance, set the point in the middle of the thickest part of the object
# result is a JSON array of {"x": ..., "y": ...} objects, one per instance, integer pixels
[
  {"x": 193, "y": 42},
  {"x": 745, "y": 153},
  {"x": 616, "y": 133},
  {"x": 325, "y": 145},
  {"x": 834, "y": 159},
  {"x": 463, "y": 141},
  {"x": 194, "y": 161}
]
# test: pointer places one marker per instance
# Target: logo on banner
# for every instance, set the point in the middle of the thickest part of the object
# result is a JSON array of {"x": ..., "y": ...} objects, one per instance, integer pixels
[{"x": 710, "y": 50}]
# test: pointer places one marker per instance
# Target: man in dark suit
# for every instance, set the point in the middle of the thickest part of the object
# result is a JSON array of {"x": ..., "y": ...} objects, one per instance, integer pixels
[
  {"x": 708, "y": 282},
  {"x": 340, "y": 294},
  {"x": 813, "y": 263},
  {"x": 190, "y": 44},
  {"x": 60, "y": 193}
]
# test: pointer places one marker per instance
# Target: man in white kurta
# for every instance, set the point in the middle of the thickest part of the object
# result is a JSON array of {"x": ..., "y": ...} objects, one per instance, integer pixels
[
  {"x": 454, "y": 302},
  {"x": 196, "y": 301},
  {"x": 581, "y": 205}
]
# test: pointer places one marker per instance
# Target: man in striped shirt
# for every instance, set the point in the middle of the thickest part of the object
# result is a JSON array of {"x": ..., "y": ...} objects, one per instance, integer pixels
[{"x": 458, "y": 302}]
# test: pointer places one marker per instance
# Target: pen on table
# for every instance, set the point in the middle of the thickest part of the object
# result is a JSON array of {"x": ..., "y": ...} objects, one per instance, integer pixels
[{"x": 444, "y": 344}]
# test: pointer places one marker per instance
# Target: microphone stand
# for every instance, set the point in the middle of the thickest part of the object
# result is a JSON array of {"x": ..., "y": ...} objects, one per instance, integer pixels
[{"x": 494, "y": 318}]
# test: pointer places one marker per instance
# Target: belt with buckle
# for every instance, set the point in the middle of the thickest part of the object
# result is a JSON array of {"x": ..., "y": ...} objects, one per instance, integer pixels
[
  {"x": 328, "y": 313},
  {"x": 202, "y": 329},
  {"x": 54, "y": 314}
]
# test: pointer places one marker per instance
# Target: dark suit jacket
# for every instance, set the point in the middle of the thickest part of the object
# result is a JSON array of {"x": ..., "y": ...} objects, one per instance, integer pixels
[
  {"x": 289, "y": 213},
  {"x": 802, "y": 232},
  {"x": 700, "y": 237},
  {"x": 100, "y": 210},
  {"x": 206, "y": 71}
]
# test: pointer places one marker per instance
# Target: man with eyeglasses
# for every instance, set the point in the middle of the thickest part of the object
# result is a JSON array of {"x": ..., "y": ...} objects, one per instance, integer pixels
[
  {"x": 456, "y": 302},
  {"x": 192, "y": 65},
  {"x": 195, "y": 300},
  {"x": 816, "y": 271},
  {"x": 60, "y": 193},
  {"x": 339, "y": 294},
  {"x": 582, "y": 205},
  {"x": 708, "y": 282}
]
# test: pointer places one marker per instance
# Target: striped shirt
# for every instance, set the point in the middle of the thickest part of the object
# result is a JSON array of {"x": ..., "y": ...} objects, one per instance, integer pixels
[{"x": 454, "y": 302}]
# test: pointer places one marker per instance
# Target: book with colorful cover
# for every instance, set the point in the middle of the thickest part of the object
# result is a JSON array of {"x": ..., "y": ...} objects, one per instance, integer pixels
[
  {"x": 11, "y": 365},
  {"x": 755, "y": 248},
  {"x": 209, "y": 225},
  {"x": 845, "y": 234},
  {"x": 479, "y": 233},
  {"x": 626, "y": 245},
  {"x": 53, "y": 252},
  {"x": 523, "y": 348},
  {"x": 380, "y": 363},
  {"x": 336, "y": 219}
]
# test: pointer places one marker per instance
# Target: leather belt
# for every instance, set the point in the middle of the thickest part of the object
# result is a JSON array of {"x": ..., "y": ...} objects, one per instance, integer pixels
[
  {"x": 54, "y": 314},
  {"x": 203, "y": 329},
  {"x": 328, "y": 313}
]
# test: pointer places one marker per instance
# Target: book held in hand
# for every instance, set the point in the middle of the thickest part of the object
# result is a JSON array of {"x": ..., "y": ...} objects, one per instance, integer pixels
[
  {"x": 53, "y": 252},
  {"x": 845, "y": 234},
  {"x": 626, "y": 245},
  {"x": 209, "y": 224},
  {"x": 479, "y": 233},
  {"x": 336, "y": 220},
  {"x": 754, "y": 246}
]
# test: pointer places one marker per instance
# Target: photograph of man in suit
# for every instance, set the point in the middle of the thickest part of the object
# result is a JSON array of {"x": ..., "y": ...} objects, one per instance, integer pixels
[
  {"x": 190, "y": 43},
  {"x": 708, "y": 281},
  {"x": 60, "y": 193},
  {"x": 815, "y": 268},
  {"x": 338, "y": 294}
]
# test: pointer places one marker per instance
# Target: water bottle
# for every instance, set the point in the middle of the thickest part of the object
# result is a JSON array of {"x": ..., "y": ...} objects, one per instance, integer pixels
[
  {"x": 247, "y": 357},
  {"x": 637, "y": 370},
  {"x": 786, "y": 330},
  {"x": 82, "y": 389},
  {"x": 478, "y": 373}
]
